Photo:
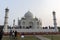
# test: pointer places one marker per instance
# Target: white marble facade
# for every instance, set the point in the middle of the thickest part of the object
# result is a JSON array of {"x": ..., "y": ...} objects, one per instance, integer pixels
[{"x": 28, "y": 22}]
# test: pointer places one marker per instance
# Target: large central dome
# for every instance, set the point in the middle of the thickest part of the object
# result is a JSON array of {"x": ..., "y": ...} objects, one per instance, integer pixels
[{"x": 28, "y": 15}]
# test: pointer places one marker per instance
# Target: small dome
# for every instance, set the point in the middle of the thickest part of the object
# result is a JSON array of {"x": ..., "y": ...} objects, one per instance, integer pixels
[{"x": 28, "y": 15}]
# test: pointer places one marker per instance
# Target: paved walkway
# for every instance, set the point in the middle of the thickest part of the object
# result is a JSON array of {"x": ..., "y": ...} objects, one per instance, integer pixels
[{"x": 41, "y": 37}]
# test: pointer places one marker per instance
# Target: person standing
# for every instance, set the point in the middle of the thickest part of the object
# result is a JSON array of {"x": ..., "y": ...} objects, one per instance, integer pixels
[
  {"x": 1, "y": 34},
  {"x": 15, "y": 35}
]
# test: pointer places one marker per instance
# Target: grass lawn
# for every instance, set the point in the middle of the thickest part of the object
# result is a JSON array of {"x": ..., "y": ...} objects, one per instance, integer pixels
[
  {"x": 53, "y": 37},
  {"x": 19, "y": 38}
]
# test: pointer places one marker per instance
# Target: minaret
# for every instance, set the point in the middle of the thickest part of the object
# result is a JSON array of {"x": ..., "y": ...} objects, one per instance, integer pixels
[
  {"x": 6, "y": 20},
  {"x": 18, "y": 22},
  {"x": 55, "y": 23},
  {"x": 14, "y": 25}
]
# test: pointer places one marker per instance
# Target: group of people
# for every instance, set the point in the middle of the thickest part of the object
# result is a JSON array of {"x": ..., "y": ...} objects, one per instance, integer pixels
[{"x": 13, "y": 34}]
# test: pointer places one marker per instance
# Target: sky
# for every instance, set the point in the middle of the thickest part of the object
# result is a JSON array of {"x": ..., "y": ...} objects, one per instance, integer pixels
[{"x": 42, "y": 9}]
